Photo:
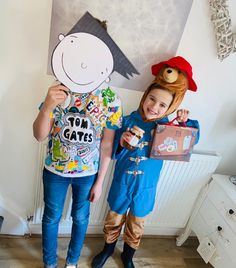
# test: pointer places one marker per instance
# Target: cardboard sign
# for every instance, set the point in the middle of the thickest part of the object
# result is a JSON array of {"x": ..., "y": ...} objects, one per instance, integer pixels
[{"x": 173, "y": 142}]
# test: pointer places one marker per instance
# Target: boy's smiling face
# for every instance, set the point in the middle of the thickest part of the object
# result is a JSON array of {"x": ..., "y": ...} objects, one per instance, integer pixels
[
  {"x": 156, "y": 103},
  {"x": 82, "y": 62}
]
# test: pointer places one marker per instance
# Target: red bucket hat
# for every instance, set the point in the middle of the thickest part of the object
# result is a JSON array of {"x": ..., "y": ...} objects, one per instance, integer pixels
[{"x": 181, "y": 64}]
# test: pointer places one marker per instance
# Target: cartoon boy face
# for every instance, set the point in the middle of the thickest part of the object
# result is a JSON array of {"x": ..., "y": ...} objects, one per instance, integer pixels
[{"x": 82, "y": 62}]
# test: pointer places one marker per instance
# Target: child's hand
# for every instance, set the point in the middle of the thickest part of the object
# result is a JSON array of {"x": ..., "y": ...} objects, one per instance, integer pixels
[
  {"x": 126, "y": 136},
  {"x": 56, "y": 95},
  {"x": 95, "y": 192},
  {"x": 182, "y": 115}
]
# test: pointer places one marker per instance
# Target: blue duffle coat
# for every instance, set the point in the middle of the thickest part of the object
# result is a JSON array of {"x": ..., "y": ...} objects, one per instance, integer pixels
[{"x": 136, "y": 175}]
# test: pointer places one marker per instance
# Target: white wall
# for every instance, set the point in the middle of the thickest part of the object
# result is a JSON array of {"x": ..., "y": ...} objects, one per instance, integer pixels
[
  {"x": 24, "y": 43},
  {"x": 214, "y": 105}
]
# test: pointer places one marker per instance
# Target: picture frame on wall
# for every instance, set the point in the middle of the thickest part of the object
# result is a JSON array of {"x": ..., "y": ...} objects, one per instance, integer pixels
[{"x": 147, "y": 35}]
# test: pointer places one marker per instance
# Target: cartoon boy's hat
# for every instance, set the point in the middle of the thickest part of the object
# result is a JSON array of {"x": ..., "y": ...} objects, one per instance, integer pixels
[
  {"x": 174, "y": 75},
  {"x": 88, "y": 24}
]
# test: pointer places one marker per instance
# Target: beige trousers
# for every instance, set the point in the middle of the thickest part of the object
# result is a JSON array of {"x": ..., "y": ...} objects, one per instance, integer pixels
[{"x": 133, "y": 230}]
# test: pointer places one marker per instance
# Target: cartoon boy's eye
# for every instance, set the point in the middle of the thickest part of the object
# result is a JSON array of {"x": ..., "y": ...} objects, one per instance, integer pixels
[
  {"x": 72, "y": 41},
  {"x": 102, "y": 73}
]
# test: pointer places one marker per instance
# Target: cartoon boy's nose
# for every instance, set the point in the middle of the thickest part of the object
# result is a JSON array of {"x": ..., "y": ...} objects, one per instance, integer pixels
[{"x": 83, "y": 65}]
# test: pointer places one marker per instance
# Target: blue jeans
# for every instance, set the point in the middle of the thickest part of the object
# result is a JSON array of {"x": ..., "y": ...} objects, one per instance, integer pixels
[{"x": 55, "y": 189}]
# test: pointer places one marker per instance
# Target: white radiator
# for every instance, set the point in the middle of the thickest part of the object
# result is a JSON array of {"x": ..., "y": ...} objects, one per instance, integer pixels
[{"x": 178, "y": 188}]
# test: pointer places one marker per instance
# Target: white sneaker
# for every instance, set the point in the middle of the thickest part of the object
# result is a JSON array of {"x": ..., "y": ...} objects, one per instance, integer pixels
[{"x": 71, "y": 266}]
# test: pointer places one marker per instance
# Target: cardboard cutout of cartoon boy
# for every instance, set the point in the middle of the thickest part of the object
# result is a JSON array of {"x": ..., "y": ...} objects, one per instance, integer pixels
[{"x": 86, "y": 57}]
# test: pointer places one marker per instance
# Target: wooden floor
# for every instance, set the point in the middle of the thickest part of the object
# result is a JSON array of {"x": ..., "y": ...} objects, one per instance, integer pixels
[{"x": 18, "y": 252}]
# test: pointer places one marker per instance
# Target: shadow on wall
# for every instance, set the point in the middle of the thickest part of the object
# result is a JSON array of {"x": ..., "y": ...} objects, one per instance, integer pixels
[
  {"x": 11, "y": 223},
  {"x": 221, "y": 137}
]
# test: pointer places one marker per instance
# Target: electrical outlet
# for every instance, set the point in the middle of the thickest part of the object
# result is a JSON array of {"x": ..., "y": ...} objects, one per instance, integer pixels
[
  {"x": 1, "y": 221},
  {"x": 29, "y": 218}
]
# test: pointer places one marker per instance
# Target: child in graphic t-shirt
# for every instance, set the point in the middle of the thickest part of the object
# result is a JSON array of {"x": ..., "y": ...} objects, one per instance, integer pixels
[{"x": 79, "y": 116}]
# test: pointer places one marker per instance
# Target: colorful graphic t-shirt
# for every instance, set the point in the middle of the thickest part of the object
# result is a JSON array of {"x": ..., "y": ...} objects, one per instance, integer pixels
[{"x": 74, "y": 142}]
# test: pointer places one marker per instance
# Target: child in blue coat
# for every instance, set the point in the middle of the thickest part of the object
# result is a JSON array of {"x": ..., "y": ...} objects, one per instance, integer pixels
[{"x": 132, "y": 194}]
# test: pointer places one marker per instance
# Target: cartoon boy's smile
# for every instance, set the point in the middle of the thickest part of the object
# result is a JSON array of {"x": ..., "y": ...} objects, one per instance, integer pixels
[{"x": 83, "y": 66}]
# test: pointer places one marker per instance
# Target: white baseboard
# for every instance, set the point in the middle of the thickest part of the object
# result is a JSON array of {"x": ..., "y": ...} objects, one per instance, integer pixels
[{"x": 65, "y": 229}]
